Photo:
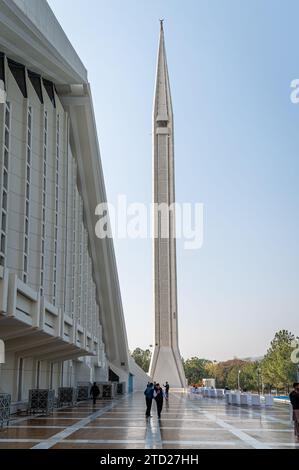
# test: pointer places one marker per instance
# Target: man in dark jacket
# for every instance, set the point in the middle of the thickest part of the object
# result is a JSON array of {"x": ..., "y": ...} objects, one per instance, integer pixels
[
  {"x": 94, "y": 392},
  {"x": 166, "y": 390},
  {"x": 158, "y": 395},
  {"x": 149, "y": 393},
  {"x": 294, "y": 398}
]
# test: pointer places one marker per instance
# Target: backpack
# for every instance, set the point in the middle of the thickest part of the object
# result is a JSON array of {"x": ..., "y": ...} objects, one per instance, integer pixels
[{"x": 148, "y": 392}]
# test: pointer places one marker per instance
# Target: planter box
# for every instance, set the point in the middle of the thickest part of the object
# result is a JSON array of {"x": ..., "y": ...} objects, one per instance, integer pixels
[
  {"x": 66, "y": 396},
  {"x": 121, "y": 388},
  {"x": 244, "y": 399},
  {"x": 235, "y": 398},
  {"x": 228, "y": 398},
  {"x": 115, "y": 385},
  {"x": 83, "y": 392},
  {"x": 255, "y": 400},
  {"x": 41, "y": 401},
  {"x": 107, "y": 390},
  {"x": 269, "y": 400},
  {"x": 5, "y": 400}
]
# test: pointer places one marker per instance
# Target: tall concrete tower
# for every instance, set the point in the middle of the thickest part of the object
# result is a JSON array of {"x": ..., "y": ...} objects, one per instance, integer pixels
[{"x": 166, "y": 361}]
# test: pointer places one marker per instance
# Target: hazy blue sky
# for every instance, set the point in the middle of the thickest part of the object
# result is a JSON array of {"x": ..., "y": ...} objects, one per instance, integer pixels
[{"x": 237, "y": 151}]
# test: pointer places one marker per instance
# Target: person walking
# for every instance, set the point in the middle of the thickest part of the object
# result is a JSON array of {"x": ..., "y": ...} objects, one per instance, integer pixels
[
  {"x": 94, "y": 392},
  {"x": 149, "y": 393},
  {"x": 294, "y": 398},
  {"x": 166, "y": 390},
  {"x": 158, "y": 395}
]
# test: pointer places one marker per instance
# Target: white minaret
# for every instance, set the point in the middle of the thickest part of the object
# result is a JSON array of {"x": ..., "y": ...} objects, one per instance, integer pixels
[{"x": 166, "y": 361}]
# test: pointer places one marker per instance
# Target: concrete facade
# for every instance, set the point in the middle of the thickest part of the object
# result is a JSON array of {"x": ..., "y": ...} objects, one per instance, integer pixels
[
  {"x": 166, "y": 363},
  {"x": 61, "y": 314}
]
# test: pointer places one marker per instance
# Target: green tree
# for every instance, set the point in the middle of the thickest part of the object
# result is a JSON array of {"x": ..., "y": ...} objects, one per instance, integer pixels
[
  {"x": 142, "y": 358},
  {"x": 196, "y": 369},
  {"x": 211, "y": 370},
  {"x": 227, "y": 373},
  {"x": 277, "y": 368},
  {"x": 249, "y": 376},
  {"x": 218, "y": 372}
]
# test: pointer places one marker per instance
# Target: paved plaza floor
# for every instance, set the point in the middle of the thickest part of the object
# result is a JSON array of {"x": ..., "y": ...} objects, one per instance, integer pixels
[{"x": 186, "y": 422}]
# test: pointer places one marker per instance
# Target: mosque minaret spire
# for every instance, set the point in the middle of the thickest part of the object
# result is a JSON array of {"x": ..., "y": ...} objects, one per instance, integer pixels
[{"x": 166, "y": 363}]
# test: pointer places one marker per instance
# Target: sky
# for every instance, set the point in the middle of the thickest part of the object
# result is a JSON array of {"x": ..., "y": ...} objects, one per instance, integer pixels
[{"x": 230, "y": 63}]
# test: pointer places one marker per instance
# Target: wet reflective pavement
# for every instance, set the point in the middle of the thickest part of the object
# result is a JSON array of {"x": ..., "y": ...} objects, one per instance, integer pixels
[{"x": 187, "y": 422}]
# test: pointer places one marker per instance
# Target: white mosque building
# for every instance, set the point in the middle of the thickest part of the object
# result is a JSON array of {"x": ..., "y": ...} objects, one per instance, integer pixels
[{"x": 61, "y": 316}]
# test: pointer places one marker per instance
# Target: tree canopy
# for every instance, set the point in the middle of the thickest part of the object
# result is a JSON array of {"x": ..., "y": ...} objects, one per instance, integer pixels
[
  {"x": 277, "y": 368},
  {"x": 142, "y": 358},
  {"x": 196, "y": 369}
]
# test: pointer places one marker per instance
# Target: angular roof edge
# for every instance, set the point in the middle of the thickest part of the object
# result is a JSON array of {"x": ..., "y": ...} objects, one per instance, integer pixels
[{"x": 37, "y": 30}]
